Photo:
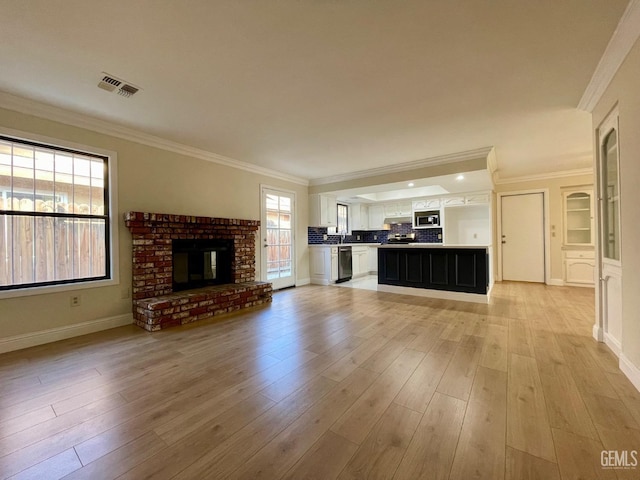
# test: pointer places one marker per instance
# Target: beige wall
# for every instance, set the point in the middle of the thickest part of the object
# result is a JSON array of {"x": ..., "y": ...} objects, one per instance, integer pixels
[
  {"x": 624, "y": 92},
  {"x": 150, "y": 180},
  {"x": 555, "y": 186}
]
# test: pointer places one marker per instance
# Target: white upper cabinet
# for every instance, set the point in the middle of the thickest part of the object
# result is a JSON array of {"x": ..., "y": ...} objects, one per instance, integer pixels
[
  {"x": 404, "y": 209},
  {"x": 358, "y": 216},
  {"x": 435, "y": 203},
  {"x": 578, "y": 217},
  {"x": 376, "y": 217},
  {"x": 398, "y": 209},
  {"x": 323, "y": 210},
  {"x": 478, "y": 199},
  {"x": 448, "y": 201},
  {"x": 428, "y": 204}
]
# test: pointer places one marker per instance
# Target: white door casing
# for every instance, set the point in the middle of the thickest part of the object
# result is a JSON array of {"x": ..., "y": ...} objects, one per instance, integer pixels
[
  {"x": 277, "y": 237},
  {"x": 609, "y": 295},
  {"x": 522, "y": 236}
]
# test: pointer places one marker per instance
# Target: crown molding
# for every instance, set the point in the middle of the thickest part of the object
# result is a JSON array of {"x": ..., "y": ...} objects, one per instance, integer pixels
[
  {"x": 403, "y": 167},
  {"x": 544, "y": 176},
  {"x": 622, "y": 40},
  {"x": 49, "y": 112}
]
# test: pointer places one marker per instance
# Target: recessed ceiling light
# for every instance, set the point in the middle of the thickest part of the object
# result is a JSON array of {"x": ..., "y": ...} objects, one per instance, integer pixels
[
  {"x": 460, "y": 177},
  {"x": 411, "y": 184}
]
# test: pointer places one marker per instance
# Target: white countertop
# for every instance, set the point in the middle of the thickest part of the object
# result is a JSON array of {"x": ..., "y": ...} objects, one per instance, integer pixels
[
  {"x": 430, "y": 245},
  {"x": 399, "y": 245},
  {"x": 359, "y": 244}
]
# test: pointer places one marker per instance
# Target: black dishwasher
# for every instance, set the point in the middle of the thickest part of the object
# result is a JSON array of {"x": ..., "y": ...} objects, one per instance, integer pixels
[{"x": 344, "y": 264}]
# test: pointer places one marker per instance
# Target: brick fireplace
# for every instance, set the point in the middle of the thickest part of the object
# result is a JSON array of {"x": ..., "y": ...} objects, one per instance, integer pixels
[{"x": 155, "y": 305}]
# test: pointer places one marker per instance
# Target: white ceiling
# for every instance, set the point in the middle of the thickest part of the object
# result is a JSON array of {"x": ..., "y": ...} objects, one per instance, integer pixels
[
  {"x": 316, "y": 88},
  {"x": 475, "y": 181}
]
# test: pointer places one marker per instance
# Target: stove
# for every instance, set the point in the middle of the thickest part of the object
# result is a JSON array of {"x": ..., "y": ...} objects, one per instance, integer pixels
[{"x": 400, "y": 238}]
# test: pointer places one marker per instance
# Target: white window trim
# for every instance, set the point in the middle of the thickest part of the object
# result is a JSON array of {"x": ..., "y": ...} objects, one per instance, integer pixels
[{"x": 113, "y": 217}]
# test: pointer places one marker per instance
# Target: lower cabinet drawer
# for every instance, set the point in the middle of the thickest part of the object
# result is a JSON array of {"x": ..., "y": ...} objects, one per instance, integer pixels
[{"x": 579, "y": 254}]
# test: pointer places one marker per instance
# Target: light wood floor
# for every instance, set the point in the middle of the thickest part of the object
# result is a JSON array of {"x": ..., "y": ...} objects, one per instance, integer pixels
[{"x": 329, "y": 383}]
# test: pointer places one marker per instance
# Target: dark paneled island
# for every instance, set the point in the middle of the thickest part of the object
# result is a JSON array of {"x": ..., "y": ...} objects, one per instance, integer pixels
[{"x": 462, "y": 270}]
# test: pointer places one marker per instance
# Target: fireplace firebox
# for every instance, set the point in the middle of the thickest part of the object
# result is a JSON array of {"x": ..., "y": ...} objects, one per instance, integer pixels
[{"x": 201, "y": 263}]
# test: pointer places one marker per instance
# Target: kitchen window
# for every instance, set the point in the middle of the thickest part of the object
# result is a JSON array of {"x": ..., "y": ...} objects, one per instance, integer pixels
[
  {"x": 342, "y": 225},
  {"x": 54, "y": 215}
]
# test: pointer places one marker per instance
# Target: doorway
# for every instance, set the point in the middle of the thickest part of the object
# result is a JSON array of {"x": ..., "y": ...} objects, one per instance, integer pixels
[
  {"x": 522, "y": 237},
  {"x": 610, "y": 267},
  {"x": 277, "y": 237}
]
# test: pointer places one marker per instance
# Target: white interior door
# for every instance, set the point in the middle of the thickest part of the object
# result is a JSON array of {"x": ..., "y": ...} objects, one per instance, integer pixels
[
  {"x": 522, "y": 227},
  {"x": 277, "y": 235},
  {"x": 610, "y": 294}
]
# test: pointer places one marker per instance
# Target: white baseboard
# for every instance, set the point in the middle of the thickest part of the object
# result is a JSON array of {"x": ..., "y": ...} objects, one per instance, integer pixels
[
  {"x": 303, "y": 281},
  {"x": 630, "y": 370},
  {"x": 441, "y": 294},
  {"x": 597, "y": 333},
  {"x": 612, "y": 343},
  {"x": 315, "y": 281},
  {"x": 27, "y": 340},
  {"x": 555, "y": 282}
]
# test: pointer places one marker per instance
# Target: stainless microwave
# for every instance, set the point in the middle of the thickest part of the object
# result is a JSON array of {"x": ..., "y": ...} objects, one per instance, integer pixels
[{"x": 428, "y": 219}]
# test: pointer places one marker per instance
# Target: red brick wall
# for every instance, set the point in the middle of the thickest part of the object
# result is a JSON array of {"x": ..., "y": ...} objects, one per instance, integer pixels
[
  {"x": 159, "y": 313},
  {"x": 152, "y": 256}
]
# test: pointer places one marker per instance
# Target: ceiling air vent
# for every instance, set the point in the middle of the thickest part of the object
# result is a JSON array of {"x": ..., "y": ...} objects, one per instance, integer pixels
[
  {"x": 111, "y": 83},
  {"x": 127, "y": 90}
]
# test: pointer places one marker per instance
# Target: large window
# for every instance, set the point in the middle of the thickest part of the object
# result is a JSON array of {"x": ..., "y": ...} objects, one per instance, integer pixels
[{"x": 54, "y": 215}]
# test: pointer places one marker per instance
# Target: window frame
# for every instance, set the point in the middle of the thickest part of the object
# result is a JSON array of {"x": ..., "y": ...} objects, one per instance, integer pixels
[
  {"x": 112, "y": 276},
  {"x": 346, "y": 218}
]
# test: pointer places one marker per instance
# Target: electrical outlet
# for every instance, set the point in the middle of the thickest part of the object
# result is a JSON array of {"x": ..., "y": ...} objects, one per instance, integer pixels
[
  {"x": 475, "y": 235},
  {"x": 75, "y": 301},
  {"x": 325, "y": 237},
  {"x": 357, "y": 237},
  {"x": 375, "y": 237},
  {"x": 439, "y": 236}
]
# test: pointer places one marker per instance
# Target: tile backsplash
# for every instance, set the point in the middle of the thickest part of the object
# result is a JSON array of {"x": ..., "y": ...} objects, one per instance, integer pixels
[{"x": 423, "y": 235}]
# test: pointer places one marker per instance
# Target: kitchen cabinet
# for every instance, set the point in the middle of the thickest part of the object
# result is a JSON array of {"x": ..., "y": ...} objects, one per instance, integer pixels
[
  {"x": 457, "y": 200},
  {"x": 577, "y": 232},
  {"x": 358, "y": 216},
  {"x": 477, "y": 199},
  {"x": 360, "y": 261},
  {"x": 453, "y": 269},
  {"x": 578, "y": 217},
  {"x": 427, "y": 204},
  {"x": 398, "y": 209},
  {"x": 323, "y": 210},
  {"x": 373, "y": 259},
  {"x": 448, "y": 201},
  {"x": 579, "y": 267},
  {"x": 376, "y": 217},
  {"x": 323, "y": 263}
]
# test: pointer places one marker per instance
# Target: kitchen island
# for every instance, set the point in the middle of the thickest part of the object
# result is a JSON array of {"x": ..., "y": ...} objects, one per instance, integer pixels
[{"x": 455, "y": 272}]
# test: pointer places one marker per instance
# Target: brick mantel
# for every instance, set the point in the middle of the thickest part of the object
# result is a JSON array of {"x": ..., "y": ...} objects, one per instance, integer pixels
[{"x": 152, "y": 254}]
